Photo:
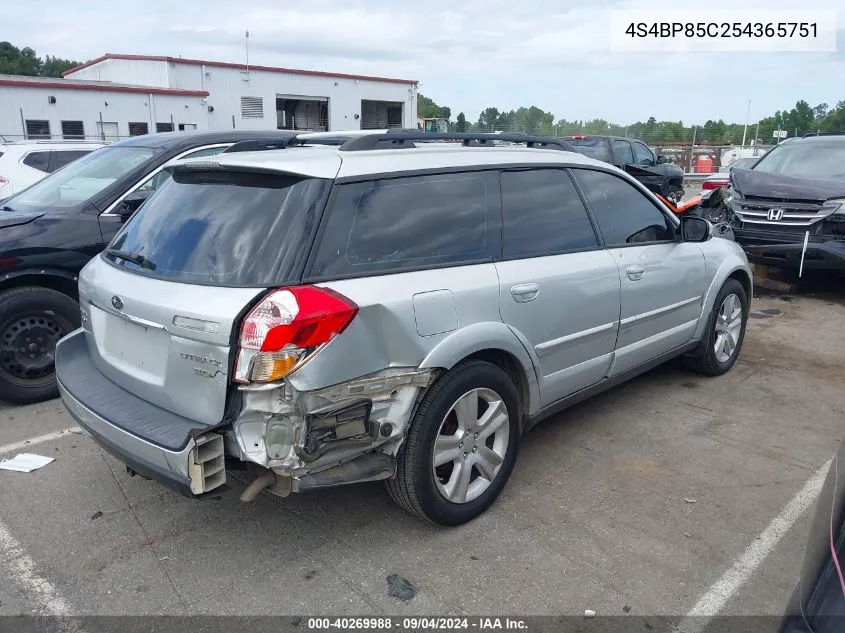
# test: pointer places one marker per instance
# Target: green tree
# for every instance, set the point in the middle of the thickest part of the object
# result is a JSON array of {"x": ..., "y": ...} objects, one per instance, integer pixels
[
  {"x": 15, "y": 61},
  {"x": 427, "y": 108},
  {"x": 55, "y": 66},
  {"x": 461, "y": 124},
  {"x": 488, "y": 119},
  {"x": 446, "y": 112}
]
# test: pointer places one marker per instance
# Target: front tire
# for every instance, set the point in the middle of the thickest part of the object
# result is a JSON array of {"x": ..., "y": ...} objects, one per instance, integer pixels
[
  {"x": 32, "y": 320},
  {"x": 461, "y": 446},
  {"x": 725, "y": 332}
]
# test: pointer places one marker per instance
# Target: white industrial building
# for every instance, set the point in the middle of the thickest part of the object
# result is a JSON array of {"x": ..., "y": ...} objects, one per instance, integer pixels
[{"x": 116, "y": 96}]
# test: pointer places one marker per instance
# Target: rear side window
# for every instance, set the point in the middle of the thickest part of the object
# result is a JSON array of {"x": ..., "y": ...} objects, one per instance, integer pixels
[
  {"x": 224, "y": 229},
  {"x": 592, "y": 147},
  {"x": 61, "y": 157},
  {"x": 623, "y": 152},
  {"x": 408, "y": 223},
  {"x": 38, "y": 160},
  {"x": 543, "y": 214},
  {"x": 624, "y": 214}
]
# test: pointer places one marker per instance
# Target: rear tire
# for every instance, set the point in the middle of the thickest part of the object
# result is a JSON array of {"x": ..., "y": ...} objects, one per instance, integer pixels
[
  {"x": 473, "y": 478},
  {"x": 722, "y": 341},
  {"x": 32, "y": 320}
]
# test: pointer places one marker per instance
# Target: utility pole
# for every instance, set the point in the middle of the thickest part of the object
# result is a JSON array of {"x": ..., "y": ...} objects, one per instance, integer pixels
[
  {"x": 756, "y": 137},
  {"x": 692, "y": 149},
  {"x": 745, "y": 129}
]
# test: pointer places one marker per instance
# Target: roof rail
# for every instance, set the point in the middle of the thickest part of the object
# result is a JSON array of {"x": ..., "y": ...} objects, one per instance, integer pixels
[
  {"x": 260, "y": 145},
  {"x": 400, "y": 139},
  {"x": 822, "y": 134}
]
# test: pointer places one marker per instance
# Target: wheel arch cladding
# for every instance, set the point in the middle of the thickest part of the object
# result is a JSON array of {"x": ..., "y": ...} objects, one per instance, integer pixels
[
  {"x": 60, "y": 282},
  {"x": 494, "y": 343},
  {"x": 728, "y": 270}
]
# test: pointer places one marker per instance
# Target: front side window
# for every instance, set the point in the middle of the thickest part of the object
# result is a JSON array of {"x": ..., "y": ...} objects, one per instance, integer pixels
[
  {"x": 644, "y": 155},
  {"x": 624, "y": 214},
  {"x": 543, "y": 214},
  {"x": 401, "y": 224}
]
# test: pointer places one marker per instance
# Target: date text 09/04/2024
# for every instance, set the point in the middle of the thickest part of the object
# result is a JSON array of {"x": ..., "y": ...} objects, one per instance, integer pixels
[
  {"x": 723, "y": 29},
  {"x": 417, "y": 623}
]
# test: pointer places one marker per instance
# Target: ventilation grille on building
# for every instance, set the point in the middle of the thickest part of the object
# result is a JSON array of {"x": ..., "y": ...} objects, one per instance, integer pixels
[
  {"x": 252, "y": 107},
  {"x": 138, "y": 129},
  {"x": 73, "y": 130},
  {"x": 37, "y": 129},
  {"x": 164, "y": 127}
]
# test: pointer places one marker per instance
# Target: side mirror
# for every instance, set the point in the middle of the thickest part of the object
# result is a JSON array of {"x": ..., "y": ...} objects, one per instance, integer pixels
[
  {"x": 695, "y": 229},
  {"x": 131, "y": 202},
  {"x": 662, "y": 160}
]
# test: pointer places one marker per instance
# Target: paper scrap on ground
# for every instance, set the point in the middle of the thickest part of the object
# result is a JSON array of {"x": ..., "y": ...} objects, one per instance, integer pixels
[{"x": 25, "y": 462}]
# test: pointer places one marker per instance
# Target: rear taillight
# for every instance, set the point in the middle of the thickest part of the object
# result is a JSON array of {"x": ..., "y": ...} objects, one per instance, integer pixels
[
  {"x": 713, "y": 184},
  {"x": 289, "y": 325}
]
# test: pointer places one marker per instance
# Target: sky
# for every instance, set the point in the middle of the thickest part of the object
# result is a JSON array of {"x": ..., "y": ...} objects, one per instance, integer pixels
[{"x": 467, "y": 54}]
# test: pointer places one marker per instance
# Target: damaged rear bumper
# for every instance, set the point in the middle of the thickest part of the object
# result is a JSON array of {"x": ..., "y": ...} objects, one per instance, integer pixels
[
  {"x": 347, "y": 433},
  {"x": 298, "y": 440},
  {"x": 152, "y": 442}
]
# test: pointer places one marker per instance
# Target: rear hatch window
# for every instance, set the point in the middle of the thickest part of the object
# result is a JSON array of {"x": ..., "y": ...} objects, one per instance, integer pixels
[{"x": 219, "y": 228}]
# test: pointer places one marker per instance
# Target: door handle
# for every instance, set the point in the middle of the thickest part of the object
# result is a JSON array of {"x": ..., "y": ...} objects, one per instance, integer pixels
[
  {"x": 635, "y": 273},
  {"x": 523, "y": 293}
]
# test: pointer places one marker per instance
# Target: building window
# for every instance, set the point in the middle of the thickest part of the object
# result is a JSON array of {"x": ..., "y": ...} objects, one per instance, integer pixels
[
  {"x": 37, "y": 129},
  {"x": 73, "y": 130},
  {"x": 187, "y": 127},
  {"x": 252, "y": 107},
  {"x": 164, "y": 127},
  {"x": 138, "y": 129}
]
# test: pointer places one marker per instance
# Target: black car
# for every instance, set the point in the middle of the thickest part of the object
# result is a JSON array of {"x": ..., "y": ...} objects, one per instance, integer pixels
[
  {"x": 795, "y": 193},
  {"x": 49, "y": 231},
  {"x": 635, "y": 157},
  {"x": 818, "y": 602}
]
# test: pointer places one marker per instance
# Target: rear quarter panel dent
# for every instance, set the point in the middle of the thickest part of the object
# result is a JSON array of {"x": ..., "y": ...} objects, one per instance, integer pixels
[{"x": 491, "y": 335}]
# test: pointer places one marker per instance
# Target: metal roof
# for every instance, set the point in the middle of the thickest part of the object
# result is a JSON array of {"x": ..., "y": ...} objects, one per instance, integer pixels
[
  {"x": 84, "y": 84},
  {"x": 201, "y": 62}
]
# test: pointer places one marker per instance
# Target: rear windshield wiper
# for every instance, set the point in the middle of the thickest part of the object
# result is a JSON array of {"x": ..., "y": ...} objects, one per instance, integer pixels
[
  {"x": 6, "y": 207},
  {"x": 135, "y": 258}
]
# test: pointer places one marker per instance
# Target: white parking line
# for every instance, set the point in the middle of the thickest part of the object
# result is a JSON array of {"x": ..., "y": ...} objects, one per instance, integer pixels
[
  {"x": 18, "y": 566},
  {"x": 712, "y": 602},
  {"x": 40, "y": 439}
]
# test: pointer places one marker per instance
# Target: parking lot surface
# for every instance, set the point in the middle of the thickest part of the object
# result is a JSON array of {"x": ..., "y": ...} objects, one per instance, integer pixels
[{"x": 636, "y": 501}]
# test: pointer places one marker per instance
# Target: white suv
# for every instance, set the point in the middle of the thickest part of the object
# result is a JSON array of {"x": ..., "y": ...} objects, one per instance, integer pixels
[{"x": 26, "y": 162}]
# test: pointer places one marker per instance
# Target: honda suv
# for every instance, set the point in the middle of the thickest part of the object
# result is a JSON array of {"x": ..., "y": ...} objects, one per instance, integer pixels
[
  {"x": 788, "y": 209},
  {"x": 389, "y": 309}
]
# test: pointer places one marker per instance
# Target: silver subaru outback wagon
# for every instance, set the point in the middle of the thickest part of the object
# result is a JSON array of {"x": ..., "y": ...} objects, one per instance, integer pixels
[{"x": 388, "y": 308}]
